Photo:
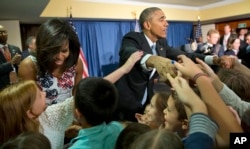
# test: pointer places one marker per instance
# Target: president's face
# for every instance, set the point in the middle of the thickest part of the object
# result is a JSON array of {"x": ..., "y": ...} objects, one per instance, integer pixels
[{"x": 158, "y": 25}]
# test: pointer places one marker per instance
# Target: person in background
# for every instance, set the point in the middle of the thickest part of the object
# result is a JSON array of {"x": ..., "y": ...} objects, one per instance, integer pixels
[
  {"x": 244, "y": 53},
  {"x": 10, "y": 57},
  {"x": 30, "y": 45},
  {"x": 224, "y": 38},
  {"x": 211, "y": 47},
  {"x": 233, "y": 46}
]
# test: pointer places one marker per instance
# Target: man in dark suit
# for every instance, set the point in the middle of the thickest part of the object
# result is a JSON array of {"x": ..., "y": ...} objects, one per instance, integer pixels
[
  {"x": 136, "y": 88},
  {"x": 224, "y": 38},
  {"x": 244, "y": 53},
  {"x": 10, "y": 56},
  {"x": 31, "y": 46}
]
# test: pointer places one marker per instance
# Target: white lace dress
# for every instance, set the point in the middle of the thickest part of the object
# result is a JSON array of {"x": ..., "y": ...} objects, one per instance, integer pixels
[{"x": 55, "y": 120}]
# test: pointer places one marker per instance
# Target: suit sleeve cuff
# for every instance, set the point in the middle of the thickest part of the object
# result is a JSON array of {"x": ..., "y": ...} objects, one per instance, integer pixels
[
  {"x": 143, "y": 62},
  {"x": 209, "y": 60}
]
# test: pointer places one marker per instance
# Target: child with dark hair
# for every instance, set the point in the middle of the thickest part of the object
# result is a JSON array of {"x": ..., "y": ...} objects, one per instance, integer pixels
[
  {"x": 95, "y": 101},
  {"x": 28, "y": 139},
  {"x": 129, "y": 134}
]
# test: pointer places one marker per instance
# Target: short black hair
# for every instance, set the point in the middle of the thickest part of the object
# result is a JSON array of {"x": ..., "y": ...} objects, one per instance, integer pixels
[
  {"x": 130, "y": 133},
  {"x": 146, "y": 15},
  {"x": 96, "y": 99}
]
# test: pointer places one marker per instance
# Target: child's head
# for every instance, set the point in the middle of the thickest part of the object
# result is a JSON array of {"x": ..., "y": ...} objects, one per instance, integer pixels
[
  {"x": 25, "y": 140},
  {"x": 95, "y": 100},
  {"x": 155, "y": 110},
  {"x": 158, "y": 139},
  {"x": 130, "y": 133},
  {"x": 175, "y": 115},
  {"x": 20, "y": 105},
  {"x": 236, "y": 80}
]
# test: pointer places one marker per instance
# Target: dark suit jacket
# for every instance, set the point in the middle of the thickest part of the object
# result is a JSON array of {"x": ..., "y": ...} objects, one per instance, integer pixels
[
  {"x": 244, "y": 56},
  {"x": 222, "y": 38},
  {"x": 6, "y": 67},
  {"x": 216, "y": 49},
  {"x": 131, "y": 87},
  {"x": 25, "y": 53}
]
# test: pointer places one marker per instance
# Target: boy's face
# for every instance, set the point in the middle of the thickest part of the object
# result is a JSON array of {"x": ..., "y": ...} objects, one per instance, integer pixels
[
  {"x": 171, "y": 116},
  {"x": 213, "y": 38}
]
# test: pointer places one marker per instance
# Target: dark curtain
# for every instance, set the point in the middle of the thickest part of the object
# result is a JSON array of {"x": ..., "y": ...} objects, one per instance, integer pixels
[
  {"x": 179, "y": 33},
  {"x": 26, "y": 31},
  {"x": 101, "y": 41}
]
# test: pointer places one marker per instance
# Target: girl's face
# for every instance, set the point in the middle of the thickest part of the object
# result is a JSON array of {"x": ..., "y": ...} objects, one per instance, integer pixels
[
  {"x": 63, "y": 54},
  {"x": 171, "y": 116},
  {"x": 39, "y": 104},
  {"x": 152, "y": 111},
  {"x": 236, "y": 44}
]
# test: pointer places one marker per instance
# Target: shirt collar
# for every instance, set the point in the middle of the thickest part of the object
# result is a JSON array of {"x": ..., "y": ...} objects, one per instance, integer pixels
[
  {"x": 149, "y": 41},
  {"x": 1, "y": 45},
  {"x": 210, "y": 45}
]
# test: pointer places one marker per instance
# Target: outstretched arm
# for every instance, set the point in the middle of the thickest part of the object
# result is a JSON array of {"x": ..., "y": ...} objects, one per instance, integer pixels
[
  {"x": 217, "y": 109},
  {"x": 125, "y": 68}
]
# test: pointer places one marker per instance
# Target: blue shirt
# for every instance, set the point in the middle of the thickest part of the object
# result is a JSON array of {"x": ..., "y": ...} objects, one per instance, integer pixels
[{"x": 102, "y": 136}]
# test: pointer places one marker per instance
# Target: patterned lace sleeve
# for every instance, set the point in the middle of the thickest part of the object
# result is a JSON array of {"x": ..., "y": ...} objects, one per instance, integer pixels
[{"x": 58, "y": 116}]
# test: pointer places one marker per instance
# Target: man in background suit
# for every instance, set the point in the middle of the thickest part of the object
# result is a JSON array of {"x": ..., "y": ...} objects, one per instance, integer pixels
[
  {"x": 10, "y": 56},
  {"x": 223, "y": 39},
  {"x": 211, "y": 47},
  {"x": 244, "y": 53},
  {"x": 31, "y": 46},
  {"x": 136, "y": 88}
]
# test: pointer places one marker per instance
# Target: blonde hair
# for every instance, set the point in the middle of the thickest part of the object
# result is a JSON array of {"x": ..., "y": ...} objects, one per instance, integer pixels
[
  {"x": 212, "y": 31},
  {"x": 15, "y": 101}
]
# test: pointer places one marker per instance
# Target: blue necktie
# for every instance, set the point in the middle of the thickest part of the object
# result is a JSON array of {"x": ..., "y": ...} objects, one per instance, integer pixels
[{"x": 153, "y": 47}]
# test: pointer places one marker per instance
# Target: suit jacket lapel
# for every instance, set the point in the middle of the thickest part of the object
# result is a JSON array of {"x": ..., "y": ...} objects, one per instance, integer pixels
[{"x": 145, "y": 46}]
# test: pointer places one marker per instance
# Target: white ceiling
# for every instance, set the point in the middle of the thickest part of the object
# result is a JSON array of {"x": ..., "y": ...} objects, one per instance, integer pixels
[{"x": 28, "y": 11}]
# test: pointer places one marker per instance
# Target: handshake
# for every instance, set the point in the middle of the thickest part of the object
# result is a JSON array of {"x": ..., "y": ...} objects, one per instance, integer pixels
[{"x": 165, "y": 65}]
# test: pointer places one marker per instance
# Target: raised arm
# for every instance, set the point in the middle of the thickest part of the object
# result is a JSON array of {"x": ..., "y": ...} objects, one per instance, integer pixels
[
  {"x": 125, "y": 68},
  {"x": 217, "y": 109}
]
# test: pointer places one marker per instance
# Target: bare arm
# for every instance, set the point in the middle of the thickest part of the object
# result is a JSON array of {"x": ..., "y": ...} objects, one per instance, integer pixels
[
  {"x": 79, "y": 71},
  {"x": 125, "y": 68}
]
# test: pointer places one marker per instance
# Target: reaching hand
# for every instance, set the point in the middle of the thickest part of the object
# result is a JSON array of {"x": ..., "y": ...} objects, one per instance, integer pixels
[
  {"x": 131, "y": 61},
  {"x": 16, "y": 59},
  {"x": 181, "y": 87},
  {"x": 164, "y": 66},
  {"x": 187, "y": 67}
]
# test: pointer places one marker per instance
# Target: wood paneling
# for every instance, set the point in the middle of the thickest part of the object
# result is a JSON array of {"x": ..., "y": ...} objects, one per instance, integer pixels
[{"x": 233, "y": 25}]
